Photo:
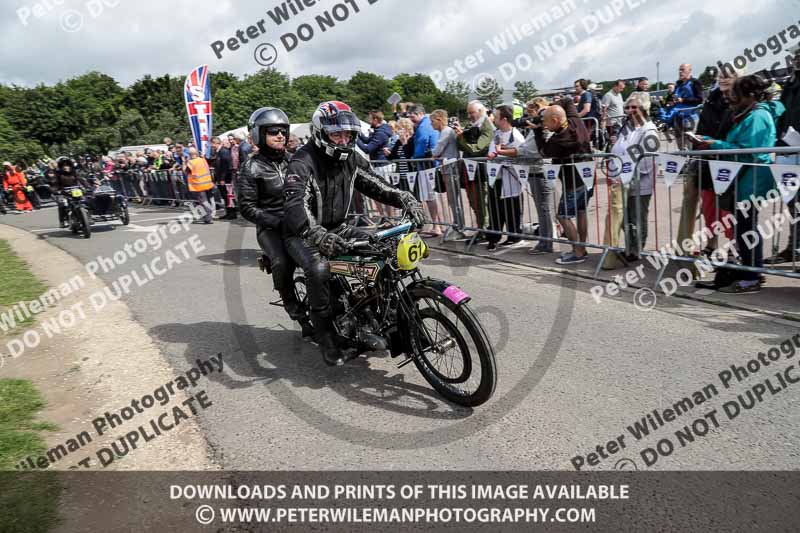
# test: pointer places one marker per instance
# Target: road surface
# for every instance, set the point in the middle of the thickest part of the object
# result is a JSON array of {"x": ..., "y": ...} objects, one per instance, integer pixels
[{"x": 573, "y": 374}]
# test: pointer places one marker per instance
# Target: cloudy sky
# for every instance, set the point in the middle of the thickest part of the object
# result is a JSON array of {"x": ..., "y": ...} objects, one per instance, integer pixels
[{"x": 50, "y": 40}]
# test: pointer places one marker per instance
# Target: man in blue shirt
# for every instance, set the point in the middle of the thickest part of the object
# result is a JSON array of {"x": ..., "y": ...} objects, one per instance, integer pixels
[
  {"x": 425, "y": 137},
  {"x": 374, "y": 144}
]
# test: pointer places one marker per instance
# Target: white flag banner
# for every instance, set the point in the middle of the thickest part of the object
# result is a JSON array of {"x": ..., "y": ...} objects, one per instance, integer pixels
[
  {"x": 412, "y": 180},
  {"x": 787, "y": 178},
  {"x": 449, "y": 161},
  {"x": 395, "y": 177},
  {"x": 723, "y": 173},
  {"x": 672, "y": 165},
  {"x": 522, "y": 176},
  {"x": 472, "y": 168},
  {"x": 493, "y": 171},
  {"x": 427, "y": 180},
  {"x": 551, "y": 171},
  {"x": 627, "y": 171},
  {"x": 586, "y": 172},
  {"x": 431, "y": 174},
  {"x": 522, "y": 172}
]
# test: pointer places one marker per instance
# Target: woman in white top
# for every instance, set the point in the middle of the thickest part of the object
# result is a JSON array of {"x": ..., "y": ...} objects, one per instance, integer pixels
[{"x": 637, "y": 136}]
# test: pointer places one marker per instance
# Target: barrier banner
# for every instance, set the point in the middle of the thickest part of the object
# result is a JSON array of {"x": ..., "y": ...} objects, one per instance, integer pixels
[
  {"x": 472, "y": 168},
  {"x": 522, "y": 176},
  {"x": 395, "y": 178},
  {"x": 412, "y": 179},
  {"x": 627, "y": 171},
  {"x": 197, "y": 92},
  {"x": 672, "y": 165},
  {"x": 493, "y": 171},
  {"x": 427, "y": 184},
  {"x": 723, "y": 173},
  {"x": 787, "y": 178},
  {"x": 586, "y": 172},
  {"x": 551, "y": 172}
]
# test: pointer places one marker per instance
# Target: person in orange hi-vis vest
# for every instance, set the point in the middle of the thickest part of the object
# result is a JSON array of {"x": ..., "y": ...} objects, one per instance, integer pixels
[
  {"x": 200, "y": 183},
  {"x": 16, "y": 181}
]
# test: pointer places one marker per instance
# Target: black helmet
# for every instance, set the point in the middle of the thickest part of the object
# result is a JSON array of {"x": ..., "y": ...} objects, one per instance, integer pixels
[
  {"x": 264, "y": 118},
  {"x": 65, "y": 161}
]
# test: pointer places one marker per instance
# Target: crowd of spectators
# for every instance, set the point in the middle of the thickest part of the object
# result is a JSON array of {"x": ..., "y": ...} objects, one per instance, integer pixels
[{"x": 738, "y": 112}]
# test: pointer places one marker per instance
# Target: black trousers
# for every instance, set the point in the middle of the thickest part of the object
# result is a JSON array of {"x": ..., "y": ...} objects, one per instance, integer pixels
[
  {"x": 283, "y": 268},
  {"x": 316, "y": 269},
  {"x": 750, "y": 245},
  {"x": 503, "y": 212}
]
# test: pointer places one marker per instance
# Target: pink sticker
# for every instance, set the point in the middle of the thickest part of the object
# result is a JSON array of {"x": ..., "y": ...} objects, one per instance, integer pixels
[{"x": 455, "y": 295}]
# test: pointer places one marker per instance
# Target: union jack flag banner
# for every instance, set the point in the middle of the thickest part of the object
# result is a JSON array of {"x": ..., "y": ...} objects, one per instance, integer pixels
[{"x": 197, "y": 92}]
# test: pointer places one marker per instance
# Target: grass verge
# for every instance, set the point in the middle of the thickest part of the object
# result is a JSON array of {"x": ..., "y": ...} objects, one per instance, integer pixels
[
  {"x": 28, "y": 500},
  {"x": 19, "y": 284}
]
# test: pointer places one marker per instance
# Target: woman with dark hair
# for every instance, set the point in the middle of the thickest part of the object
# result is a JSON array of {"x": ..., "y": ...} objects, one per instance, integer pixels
[{"x": 754, "y": 119}]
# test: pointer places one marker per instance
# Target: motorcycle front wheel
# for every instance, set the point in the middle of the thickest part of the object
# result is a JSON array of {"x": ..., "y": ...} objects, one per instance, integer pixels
[
  {"x": 85, "y": 223},
  {"x": 124, "y": 215},
  {"x": 451, "y": 349}
]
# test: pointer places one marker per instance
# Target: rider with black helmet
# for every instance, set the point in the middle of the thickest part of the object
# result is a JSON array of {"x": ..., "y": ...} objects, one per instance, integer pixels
[
  {"x": 321, "y": 180},
  {"x": 65, "y": 176},
  {"x": 260, "y": 194}
]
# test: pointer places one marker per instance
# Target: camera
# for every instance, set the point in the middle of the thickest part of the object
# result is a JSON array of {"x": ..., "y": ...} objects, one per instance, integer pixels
[
  {"x": 523, "y": 121},
  {"x": 453, "y": 122}
]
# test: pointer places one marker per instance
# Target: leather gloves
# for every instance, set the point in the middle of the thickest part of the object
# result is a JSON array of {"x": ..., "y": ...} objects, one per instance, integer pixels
[
  {"x": 414, "y": 209},
  {"x": 329, "y": 244}
]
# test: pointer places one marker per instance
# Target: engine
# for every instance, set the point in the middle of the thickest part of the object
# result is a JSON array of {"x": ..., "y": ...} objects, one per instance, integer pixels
[{"x": 362, "y": 326}]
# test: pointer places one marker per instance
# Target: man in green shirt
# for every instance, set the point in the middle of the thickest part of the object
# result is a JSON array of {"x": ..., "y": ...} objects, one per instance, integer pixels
[{"x": 474, "y": 142}]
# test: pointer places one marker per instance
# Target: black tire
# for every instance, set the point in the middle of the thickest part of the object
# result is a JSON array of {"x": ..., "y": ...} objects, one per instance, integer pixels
[
  {"x": 125, "y": 216},
  {"x": 85, "y": 223},
  {"x": 461, "y": 328}
]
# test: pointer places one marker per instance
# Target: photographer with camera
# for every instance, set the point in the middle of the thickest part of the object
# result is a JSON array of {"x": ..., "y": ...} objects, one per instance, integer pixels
[
  {"x": 474, "y": 142},
  {"x": 542, "y": 188},
  {"x": 569, "y": 139}
]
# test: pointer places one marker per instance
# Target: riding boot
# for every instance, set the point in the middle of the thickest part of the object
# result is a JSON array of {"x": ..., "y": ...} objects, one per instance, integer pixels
[
  {"x": 328, "y": 342},
  {"x": 306, "y": 329}
]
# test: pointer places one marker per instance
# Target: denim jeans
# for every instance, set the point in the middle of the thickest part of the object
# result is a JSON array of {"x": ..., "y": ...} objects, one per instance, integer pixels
[{"x": 543, "y": 192}]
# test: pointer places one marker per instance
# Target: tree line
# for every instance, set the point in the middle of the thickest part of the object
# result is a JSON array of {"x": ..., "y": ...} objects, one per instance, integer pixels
[{"x": 93, "y": 113}]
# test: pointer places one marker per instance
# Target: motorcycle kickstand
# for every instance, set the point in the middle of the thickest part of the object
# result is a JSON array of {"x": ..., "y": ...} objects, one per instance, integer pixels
[{"x": 404, "y": 363}]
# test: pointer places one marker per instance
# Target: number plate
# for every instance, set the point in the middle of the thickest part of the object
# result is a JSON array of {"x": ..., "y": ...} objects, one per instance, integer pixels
[{"x": 410, "y": 251}]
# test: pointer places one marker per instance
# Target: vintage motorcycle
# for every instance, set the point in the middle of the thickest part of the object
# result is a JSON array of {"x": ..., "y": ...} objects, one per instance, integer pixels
[
  {"x": 382, "y": 302},
  {"x": 79, "y": 219}
]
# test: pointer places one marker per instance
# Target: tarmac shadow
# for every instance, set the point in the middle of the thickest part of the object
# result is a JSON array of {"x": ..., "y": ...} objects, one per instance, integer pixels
[{"x": 277, "y": 358}]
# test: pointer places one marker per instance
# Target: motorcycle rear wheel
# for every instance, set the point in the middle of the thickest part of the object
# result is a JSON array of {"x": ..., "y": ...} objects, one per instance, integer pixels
[{"x": 453, "y": 351}]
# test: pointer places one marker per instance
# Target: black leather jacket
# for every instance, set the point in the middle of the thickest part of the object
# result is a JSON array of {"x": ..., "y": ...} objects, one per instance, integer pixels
[
  {"x": 260, "y": 190},
  {"x": 68, "y": 180},
  {"x": 319, "y": 190}
]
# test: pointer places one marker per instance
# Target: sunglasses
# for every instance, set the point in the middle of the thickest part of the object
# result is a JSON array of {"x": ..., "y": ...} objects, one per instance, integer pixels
[
  {"x": 631, "y": 107},
  {"x": 277, "y": 131}
]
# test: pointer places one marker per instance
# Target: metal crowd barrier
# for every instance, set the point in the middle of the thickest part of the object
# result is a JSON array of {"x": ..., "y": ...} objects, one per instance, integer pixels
[
  {"x": 459, "y": 199},
  {"x": 704, "y": 209},
  {"x": 152, "y": 187}
]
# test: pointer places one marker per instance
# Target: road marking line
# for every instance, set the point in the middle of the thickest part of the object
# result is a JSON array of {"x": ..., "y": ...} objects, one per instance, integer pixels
[{"x": 173, "y": 217}]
